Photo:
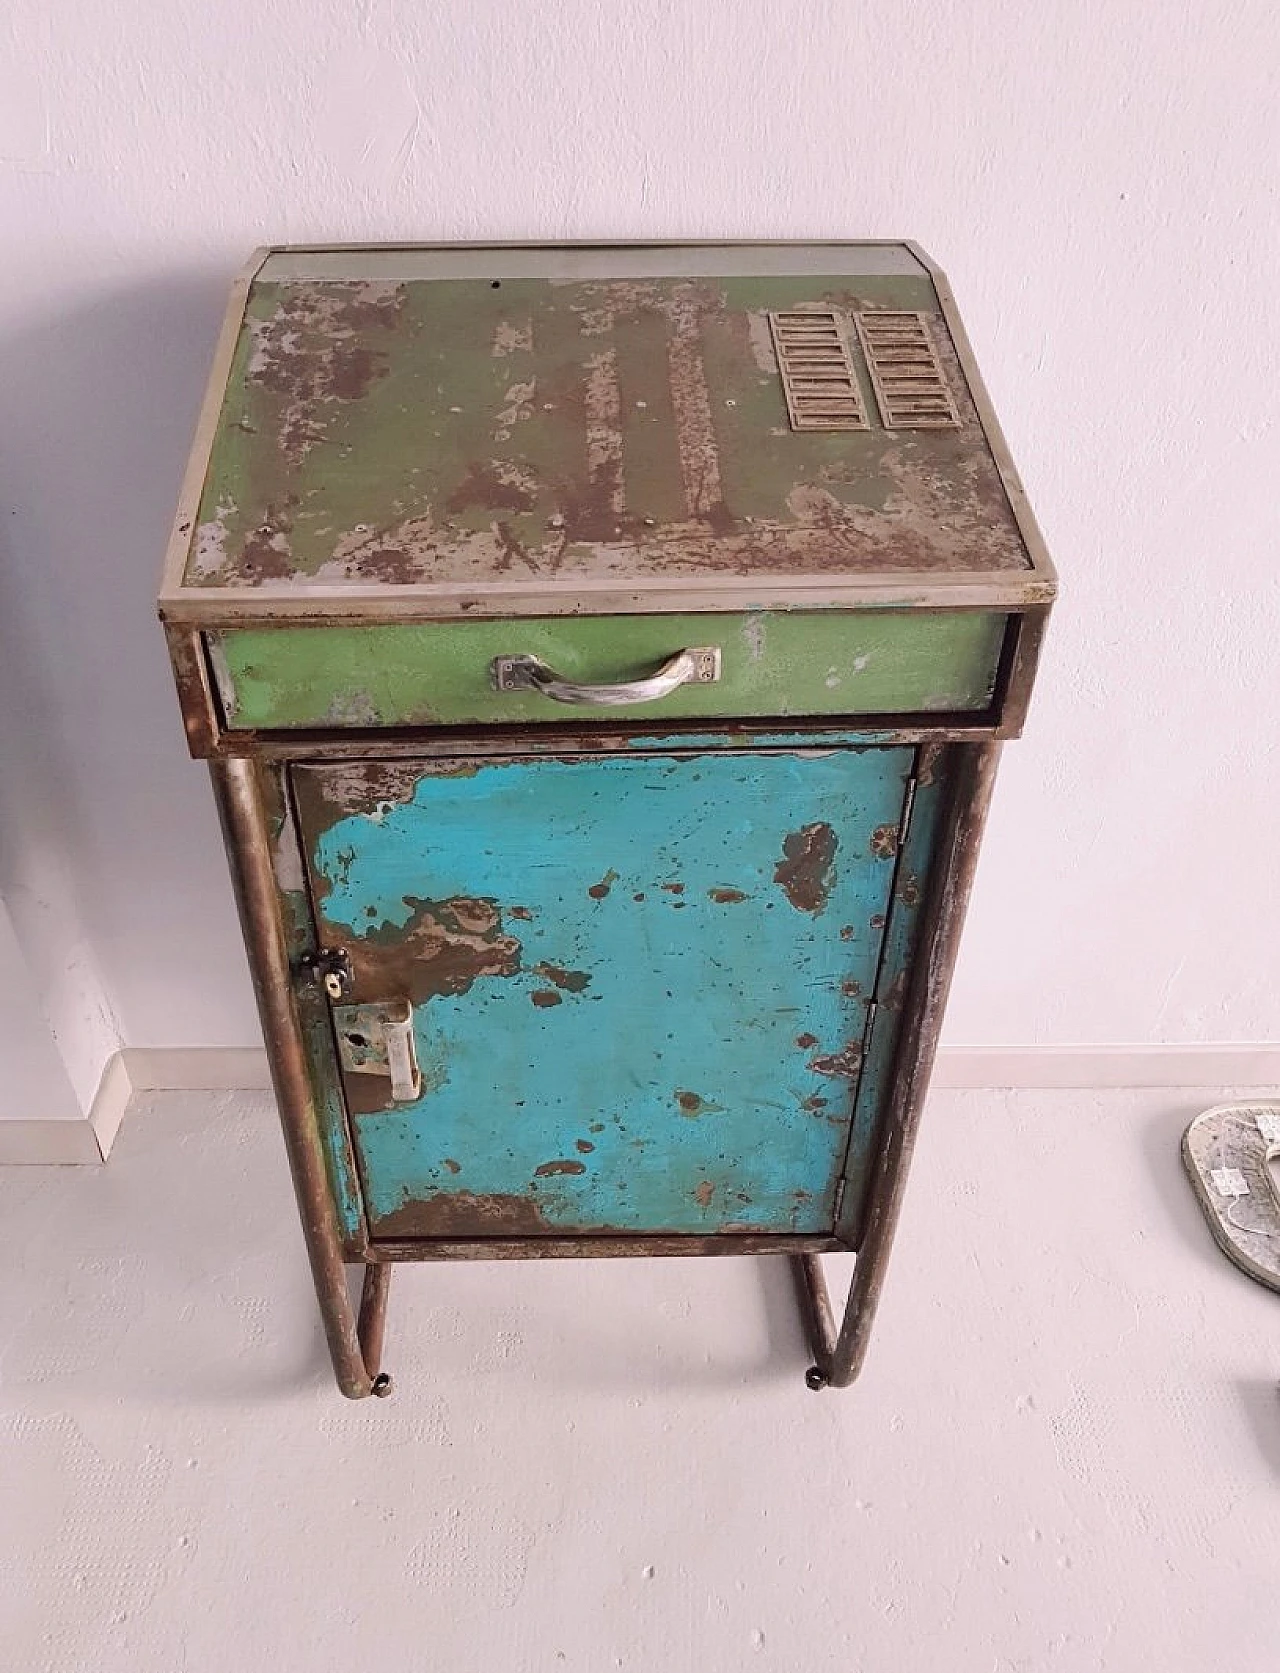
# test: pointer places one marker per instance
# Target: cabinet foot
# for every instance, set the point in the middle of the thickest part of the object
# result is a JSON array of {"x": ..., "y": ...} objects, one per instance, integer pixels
[{"x": 837, "y": 1353}]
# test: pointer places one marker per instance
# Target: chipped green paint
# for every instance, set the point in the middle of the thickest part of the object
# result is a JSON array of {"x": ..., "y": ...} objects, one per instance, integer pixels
[
  {"x": 425, "y": 673},
  {"x": 447, "y": 430},
  {"x": 696, "y": 1070}
]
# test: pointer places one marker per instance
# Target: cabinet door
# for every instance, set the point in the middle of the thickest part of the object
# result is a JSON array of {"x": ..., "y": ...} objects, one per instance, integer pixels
[{"x": 640, "y": 983}]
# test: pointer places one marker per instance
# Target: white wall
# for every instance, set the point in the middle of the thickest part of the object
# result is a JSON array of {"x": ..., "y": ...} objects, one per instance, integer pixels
[
  {"x": 35, "y": 1085},
  {"x": 1099, "y": 180}
]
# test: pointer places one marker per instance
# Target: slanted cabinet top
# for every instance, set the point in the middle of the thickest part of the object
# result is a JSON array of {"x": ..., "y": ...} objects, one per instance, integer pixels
[{"x": 570, "y": 429}]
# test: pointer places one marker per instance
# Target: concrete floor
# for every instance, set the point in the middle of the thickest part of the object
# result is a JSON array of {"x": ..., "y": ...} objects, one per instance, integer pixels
[{"x": 1064, "y": 1453}]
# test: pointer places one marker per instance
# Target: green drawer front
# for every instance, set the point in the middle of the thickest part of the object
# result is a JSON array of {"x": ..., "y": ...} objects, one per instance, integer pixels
[{"x": 438, "y": 673}]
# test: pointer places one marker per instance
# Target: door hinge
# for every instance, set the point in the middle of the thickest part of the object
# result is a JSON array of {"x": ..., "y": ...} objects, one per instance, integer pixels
[
  {"x": 908, "y": 808},
  {"x": 872, "y": 1008},
  {"x": 841, "y": 1186},
  {"x": 863, "y": 1049}
]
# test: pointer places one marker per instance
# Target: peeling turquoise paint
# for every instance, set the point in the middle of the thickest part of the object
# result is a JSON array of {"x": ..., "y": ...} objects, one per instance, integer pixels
[{"x": 660, "y": 976}]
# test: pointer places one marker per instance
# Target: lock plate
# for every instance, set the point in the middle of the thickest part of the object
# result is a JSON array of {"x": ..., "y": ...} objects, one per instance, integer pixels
[{"x": 378, "y": 1039}]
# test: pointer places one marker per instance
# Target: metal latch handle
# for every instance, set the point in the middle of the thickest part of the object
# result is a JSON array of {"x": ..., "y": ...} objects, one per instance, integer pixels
[
  {"x": 698, "y": 665},
  {"x": 378, "y": 1039},
  {"x": 402, "y": 1060}
]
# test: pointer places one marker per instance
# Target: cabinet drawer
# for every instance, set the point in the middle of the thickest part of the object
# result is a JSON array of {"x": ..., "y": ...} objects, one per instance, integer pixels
[{"x": 442, "y": 673}]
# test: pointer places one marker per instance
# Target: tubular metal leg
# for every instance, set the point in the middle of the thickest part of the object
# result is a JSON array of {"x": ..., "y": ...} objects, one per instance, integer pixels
[
  {"x": 838, "y": 1356},
  {"x": 820, "y": 1325},
  {"x": 237, "y": 788},
  {"x": 373, "y": 1322}
]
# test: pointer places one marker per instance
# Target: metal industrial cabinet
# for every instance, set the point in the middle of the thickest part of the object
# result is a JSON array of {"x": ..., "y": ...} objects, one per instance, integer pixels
[{"x": 602, "y": 656}]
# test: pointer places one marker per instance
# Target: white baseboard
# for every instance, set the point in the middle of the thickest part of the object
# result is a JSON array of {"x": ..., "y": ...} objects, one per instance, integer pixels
[
  {"x": 244, "y": 1068},
  {"x": 197, "y": 1068},
  {"x": 135, "y": 1069},
  {"x": 1251, "y": 1064},
  {"x": 56, "y": 1141},
  {"x": 87, "y": 1138},
  {"x": 110, "y": 1103}
]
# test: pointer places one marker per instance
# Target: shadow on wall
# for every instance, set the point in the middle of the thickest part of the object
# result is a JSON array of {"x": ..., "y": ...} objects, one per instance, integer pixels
[{"x": 104, "y": 827}]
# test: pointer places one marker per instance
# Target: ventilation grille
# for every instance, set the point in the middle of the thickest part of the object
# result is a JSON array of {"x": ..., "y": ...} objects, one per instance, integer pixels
[
  {"x": 818, "y": 375},
  {"x": 911, "y": 391}
]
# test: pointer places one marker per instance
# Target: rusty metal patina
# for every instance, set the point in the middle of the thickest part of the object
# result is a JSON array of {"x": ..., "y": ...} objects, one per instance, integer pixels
[
  {"x": 565, "y": 430},
  {"x": 550, "y": 984},
  {"x": 804, "y": 873}
]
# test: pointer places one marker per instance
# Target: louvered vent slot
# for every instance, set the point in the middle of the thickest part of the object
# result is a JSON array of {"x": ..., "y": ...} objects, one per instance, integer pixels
[
  {"x": 911, "y": 390},
  {"x": 818, "y": 374}
]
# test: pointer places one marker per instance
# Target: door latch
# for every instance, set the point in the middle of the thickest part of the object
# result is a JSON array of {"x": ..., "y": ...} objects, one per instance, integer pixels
[
  {"x": 378, "y": 1040},
  {"x": 331, "y": 968}
]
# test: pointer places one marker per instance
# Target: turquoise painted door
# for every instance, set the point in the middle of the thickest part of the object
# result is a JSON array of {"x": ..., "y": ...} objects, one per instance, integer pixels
[{"x": 640, "y": 983}]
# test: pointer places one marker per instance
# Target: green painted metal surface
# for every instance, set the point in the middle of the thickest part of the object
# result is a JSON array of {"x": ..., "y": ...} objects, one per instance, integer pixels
[
  {"x": 641, "y": 983},
  {"x": 804, "y": 663},
  {"x": 382, "y": 431}
]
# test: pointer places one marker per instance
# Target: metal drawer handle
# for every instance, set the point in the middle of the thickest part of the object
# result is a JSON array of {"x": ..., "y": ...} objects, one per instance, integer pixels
[{"x": 699, "y": 665}]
